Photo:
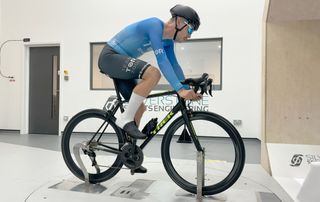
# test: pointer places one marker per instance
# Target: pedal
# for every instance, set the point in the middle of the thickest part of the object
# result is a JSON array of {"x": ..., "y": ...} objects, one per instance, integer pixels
[{"x": 140, "y": 169}]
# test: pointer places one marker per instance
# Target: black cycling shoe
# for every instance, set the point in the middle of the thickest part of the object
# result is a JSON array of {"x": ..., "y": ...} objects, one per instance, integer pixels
[
  {"x": 133, "y": 130},
  {"x": 141, "y": 169}
]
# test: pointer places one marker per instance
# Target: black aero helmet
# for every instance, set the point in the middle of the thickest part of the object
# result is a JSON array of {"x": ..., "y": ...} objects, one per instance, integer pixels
[{"x": 188, "y": 13}]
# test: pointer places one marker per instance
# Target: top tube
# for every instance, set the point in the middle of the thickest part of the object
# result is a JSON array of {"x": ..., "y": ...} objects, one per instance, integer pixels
[{"x": 162, "y": 94}]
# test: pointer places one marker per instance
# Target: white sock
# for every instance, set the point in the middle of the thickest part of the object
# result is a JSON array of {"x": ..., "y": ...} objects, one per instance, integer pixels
[{"x": 133, "y": 106}]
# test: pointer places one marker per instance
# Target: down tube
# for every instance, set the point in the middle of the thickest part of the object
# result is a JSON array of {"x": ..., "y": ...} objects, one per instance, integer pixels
[
  {"x": 169, "y": 116},
  {"x": 192, "y": 132}
]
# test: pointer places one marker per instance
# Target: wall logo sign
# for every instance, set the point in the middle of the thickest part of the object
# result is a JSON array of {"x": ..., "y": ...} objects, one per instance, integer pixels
[
  {"x": 166, "y": 104},
  {"x": 298, "y": 159},
  {"x": 160, "y": 104}
]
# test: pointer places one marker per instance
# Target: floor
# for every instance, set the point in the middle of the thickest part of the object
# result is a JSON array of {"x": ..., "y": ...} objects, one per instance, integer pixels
[
  {"x": 52, "y": 142},
  {"x": 33, "y": 170}
]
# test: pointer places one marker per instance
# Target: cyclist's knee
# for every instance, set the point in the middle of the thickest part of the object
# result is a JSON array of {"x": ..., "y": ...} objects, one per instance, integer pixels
[{"x": 152, "y": 73}]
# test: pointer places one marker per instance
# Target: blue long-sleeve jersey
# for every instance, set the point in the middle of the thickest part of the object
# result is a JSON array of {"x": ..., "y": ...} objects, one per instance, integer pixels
[{"x": 146, "y": 35}]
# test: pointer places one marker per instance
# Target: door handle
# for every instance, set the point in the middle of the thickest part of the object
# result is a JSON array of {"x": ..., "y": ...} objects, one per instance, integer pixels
[{"x": 55, "y": 89}]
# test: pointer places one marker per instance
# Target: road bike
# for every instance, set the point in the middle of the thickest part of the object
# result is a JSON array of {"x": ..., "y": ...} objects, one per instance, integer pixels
[{"x": 106, "y": 148}]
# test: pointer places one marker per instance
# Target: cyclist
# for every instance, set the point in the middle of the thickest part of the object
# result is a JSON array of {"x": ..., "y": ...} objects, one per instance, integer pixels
[{"x": 118, "y": 60}]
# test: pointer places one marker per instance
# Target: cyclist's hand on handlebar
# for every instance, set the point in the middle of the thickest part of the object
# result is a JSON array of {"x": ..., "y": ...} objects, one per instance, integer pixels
[{"x": 189, "y": 94}]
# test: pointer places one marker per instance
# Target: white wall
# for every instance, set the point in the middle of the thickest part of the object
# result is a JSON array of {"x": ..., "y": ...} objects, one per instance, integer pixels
[
  {"x": 75, "y": 23},
  {"x": 37, "y": 19},
  {"x": 0, "y": 19}
]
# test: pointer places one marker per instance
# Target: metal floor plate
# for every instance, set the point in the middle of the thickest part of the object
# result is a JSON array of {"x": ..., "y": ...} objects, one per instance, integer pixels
[
  {"x": 78, "y": 186},
  {"x": 52, "y": 182},
  {"x": 134, "y": 191}
]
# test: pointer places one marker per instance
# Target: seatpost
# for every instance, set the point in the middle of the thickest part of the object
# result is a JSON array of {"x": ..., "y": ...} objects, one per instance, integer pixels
[{"x": 118, "y": 96}]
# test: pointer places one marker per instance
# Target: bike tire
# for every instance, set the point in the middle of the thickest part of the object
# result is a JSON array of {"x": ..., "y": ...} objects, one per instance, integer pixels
[
  {"x": 237, "y": 144},
  {"x": 67, "y": 153}
]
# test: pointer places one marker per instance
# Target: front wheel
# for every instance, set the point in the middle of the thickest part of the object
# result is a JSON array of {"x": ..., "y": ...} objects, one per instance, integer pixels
[{"x": 224, "y": 153}]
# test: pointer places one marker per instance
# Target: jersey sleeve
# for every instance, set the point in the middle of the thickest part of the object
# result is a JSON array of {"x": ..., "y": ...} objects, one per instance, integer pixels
[
  {"x": 173, "y": 60},
  {"x": 154, "y": 31}
]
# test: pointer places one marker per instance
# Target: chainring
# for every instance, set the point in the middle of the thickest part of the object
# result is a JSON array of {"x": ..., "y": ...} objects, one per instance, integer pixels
[{"x": 131, "y": 156}]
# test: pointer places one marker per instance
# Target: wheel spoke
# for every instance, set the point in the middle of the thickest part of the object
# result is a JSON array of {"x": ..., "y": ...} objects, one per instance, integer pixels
[
  {"x": 220, "y": 140},
  {"x": 83, "y": 129}
]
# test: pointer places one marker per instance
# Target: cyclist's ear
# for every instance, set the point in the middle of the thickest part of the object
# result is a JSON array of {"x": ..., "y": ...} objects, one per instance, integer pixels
[{"x": 180, "y": 21}]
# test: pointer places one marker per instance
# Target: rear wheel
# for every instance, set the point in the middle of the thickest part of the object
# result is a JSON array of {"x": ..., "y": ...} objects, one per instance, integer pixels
[
  {"x": 224, "y": 153},
  {"x": 100, "y": 141}
]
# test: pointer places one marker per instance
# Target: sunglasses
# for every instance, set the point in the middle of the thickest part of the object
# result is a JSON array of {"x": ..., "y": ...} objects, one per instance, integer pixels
[{"x": 190, "y": 28}]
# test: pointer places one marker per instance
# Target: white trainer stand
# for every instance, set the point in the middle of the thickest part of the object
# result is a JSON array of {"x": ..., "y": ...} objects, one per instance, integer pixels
[
  {"x": 200, "y": 174},
  {"x": 86, "y": 187},
  {"x": 309, "y": 191}
]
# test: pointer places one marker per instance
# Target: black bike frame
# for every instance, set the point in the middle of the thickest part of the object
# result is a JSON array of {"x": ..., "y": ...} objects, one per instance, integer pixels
[{"x": 180, "y": 106}]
